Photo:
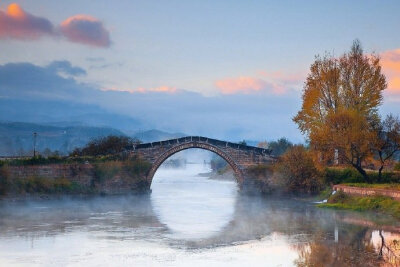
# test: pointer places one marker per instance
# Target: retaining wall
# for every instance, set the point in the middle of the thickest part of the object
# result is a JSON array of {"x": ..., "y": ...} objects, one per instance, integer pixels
[{"x": 365, "y": 191}]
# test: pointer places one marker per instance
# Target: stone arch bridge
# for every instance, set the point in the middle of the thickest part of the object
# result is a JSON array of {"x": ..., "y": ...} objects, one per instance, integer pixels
[{"x": 239, "y": 157}]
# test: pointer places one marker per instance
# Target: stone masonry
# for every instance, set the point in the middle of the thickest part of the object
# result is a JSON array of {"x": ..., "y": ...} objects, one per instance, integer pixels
[{"x": 239, "y": 157}]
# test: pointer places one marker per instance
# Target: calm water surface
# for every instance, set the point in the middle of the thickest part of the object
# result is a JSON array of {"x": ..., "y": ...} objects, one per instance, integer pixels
[{"x": 190, "y": 220}]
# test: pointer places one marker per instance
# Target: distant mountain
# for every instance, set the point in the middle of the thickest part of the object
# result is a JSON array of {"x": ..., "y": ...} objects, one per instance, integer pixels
[
  {"x": 65, "y": 114},
  {"x": 16, "y": 138}
]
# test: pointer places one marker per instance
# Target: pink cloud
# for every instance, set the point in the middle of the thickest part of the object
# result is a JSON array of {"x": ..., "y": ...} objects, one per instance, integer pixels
[
  {"x": 241, "y": 84},
  {"x": 16, "y": 23},
  {"x": 390, "y": 61},
  {"x": 274, "y": 83},
  {"x": 85, "y": 29}
]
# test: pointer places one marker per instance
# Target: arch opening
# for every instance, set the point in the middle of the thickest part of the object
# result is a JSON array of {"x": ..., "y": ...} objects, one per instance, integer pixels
[
  {"x": 189, "y": 198},
  {"x": 167, "y": 154}
]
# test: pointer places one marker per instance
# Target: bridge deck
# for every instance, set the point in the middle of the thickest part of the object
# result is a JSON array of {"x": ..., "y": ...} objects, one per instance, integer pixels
[{"x": 207, "y": 140}]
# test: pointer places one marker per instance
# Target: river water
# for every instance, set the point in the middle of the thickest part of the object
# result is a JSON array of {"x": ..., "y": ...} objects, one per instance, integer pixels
[{"x": 190, "y": 220}]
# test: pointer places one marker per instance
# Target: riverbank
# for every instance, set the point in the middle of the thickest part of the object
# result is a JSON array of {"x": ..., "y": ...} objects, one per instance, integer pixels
[
  {"x": 98, "y": 176},
  {"x": 377, "y": 203}
]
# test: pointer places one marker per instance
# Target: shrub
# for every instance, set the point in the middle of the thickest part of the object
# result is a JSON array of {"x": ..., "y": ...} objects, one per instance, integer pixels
[
  {"x": 397, "y": 166},
  {"x": 349, "y": 175},
  {"x": 105, "y": 146},
  {"x": 297, "y": 173},
  {"x": 106, "y": 170},
  {"x": 4, "y": 180},
  {"x": 136, "y": 167}
]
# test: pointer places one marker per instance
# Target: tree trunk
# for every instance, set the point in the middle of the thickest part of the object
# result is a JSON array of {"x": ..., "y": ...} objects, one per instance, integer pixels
[
  {"x": 362, "y": 172},
  {"x": 380, "y": 174}
]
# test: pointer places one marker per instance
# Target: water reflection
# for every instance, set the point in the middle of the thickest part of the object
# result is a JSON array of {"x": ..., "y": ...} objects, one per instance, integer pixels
[
  {"x": 190, "y": 205},
  {"x": 173, "y": 227}
]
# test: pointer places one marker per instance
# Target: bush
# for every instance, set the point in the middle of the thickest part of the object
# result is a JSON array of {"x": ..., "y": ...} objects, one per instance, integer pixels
[
  {"x": 297, "y": 173},
  {"x": 4, "y": 180},
  {"x": 349, "y": 175},
  {"x": 105, "y": 146},
  {"x": 397, "y": 166}
]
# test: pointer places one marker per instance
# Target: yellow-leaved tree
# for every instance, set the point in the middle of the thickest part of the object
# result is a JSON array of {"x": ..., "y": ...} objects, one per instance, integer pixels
[{"x": 339, "y": 112}]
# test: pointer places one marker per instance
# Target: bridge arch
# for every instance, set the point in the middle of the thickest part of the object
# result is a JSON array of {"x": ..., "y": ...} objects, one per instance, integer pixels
[{"x": 180, "y": 147}]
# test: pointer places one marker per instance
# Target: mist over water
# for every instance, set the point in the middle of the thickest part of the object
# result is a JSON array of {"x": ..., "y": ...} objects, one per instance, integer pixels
[
  {"x": 192, "y": 206},
  {"x": 188, "y": 220}
]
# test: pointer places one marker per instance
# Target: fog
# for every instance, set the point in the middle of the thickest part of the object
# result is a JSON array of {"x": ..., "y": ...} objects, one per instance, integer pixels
[{"x": 188, "y": 219}]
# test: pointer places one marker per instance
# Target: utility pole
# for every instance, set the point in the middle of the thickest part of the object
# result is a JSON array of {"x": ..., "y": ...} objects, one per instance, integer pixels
[{"x": 34, "y": 144}]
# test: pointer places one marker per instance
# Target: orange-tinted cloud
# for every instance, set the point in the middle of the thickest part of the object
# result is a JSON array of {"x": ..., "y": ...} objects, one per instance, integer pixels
[
  {"x": 268, "y": 82},
  {"x": 16, "y": 23},
  {"x": 243, "y": 84},
  {"x": 85, "y": 29},
  {"x": 390, "y": 61}
]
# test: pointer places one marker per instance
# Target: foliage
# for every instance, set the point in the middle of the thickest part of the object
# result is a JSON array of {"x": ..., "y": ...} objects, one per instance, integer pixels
[
  {"x": 388, "y": 140},
  {"x": 397, "y": 166},
  {"x": 4, "y": 180},
  {"x": 106, "y": 146},
  {"x": 136, "y": 167},
  {"x": 347, "y": 175},
  {"x": 382, "y": 204},
  {"x": 133, "y": 169},
  {"x": 130, "y": 172},
  {"x": 243, "y": 142},
  {"x": 260, "y": 181},
  {"x": 106, "y": 170},
  {"x": 339, "y": 109},
  {"x": 280, "y": 146},
  {"x": 297, "y": 173}
]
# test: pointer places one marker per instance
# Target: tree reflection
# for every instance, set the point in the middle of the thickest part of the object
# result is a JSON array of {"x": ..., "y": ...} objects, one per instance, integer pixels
[{"x": 352, "y": 249}]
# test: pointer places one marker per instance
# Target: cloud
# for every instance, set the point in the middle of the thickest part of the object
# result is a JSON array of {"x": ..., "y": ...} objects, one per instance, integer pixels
[
  {"x": 231, "y": 117},
  {"x": 142, "y": 90},
  {"x": 16, "y": 23},
  {"x": 85, "y": 29},
  {"x": 390, "y": 61},
  {"x": 65, "y": 67},
  {"x": 275, "y": 83}
]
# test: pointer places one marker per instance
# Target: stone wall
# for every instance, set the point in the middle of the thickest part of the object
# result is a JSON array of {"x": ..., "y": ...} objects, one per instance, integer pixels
[
  {"x": 365, "y": 191},
  {"x": 85, "y": 175},
  {"x": 81, "y": 173}
]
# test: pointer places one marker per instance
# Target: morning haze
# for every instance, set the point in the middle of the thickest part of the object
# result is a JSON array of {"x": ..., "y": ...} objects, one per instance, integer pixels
[{"x": 177, "y": 133}]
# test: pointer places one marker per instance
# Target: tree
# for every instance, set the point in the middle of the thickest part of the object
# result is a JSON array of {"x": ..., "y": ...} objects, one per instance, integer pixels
[
  {"x": 106, "y": 146},
  {"x": 387, "y": 140},
  {"x": 296, "y": 171},
  {"x": 280, "y": 146},
  {"x": 243, "y": 143},
  {"x": 340, "y": 101}
]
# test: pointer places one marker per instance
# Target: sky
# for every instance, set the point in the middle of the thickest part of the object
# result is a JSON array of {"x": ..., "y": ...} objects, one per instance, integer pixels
[{"x": 224, "y": 69}]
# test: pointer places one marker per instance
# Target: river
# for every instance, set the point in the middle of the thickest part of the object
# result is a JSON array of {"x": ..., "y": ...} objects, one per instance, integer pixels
[{"x": 190, "y": 220}]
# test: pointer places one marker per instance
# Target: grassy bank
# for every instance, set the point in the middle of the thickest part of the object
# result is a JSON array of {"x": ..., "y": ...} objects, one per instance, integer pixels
[
  {"x": 379, "y": 204},
  {"x": 105, "y": 175}
]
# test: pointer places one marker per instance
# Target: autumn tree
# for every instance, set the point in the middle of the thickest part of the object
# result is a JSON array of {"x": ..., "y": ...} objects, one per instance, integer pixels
[
  {"x": 387, "y": 141},
  {"x": 339, "y": 112},
  {"x": 296, "y": 171}
]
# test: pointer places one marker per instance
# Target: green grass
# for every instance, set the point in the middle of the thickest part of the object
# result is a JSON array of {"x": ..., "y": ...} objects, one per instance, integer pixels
[{"x": 380, "y": 204}]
